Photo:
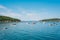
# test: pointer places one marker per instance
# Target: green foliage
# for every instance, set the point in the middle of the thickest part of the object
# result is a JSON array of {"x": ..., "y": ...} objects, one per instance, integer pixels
[
  {"x": 52, "y": 19},
  {"x": 5, "y": 18}
]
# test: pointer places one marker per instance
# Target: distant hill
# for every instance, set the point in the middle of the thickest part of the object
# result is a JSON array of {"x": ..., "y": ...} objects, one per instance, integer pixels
[
  {"x": 52, "y": 19},
  {"x": 8, "y": 19}
]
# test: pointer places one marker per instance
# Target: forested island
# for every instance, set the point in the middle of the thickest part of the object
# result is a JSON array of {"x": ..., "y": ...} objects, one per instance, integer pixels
[
  {"x": 51, "y": 20},
  {"x": 8, "y": 19}
]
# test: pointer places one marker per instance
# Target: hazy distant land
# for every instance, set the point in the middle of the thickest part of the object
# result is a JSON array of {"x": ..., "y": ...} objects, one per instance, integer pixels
[{"x": 51, "y": 20}]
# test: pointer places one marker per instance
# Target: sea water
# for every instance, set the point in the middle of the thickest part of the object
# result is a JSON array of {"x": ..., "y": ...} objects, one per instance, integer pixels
[{"x": 30, "y": 31}]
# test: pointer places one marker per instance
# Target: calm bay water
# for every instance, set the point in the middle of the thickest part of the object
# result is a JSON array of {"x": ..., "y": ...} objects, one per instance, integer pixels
[{"x": 30, "y": 31}]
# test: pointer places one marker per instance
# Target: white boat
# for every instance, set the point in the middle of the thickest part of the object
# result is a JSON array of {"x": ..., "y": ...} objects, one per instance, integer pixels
[
  {"x": 27, "y": 23},
  {"x": 44, "y": 22}
]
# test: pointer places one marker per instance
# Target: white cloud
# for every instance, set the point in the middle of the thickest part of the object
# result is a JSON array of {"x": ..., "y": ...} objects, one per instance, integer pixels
[
  {"x": 25, "y": 16},
  {"x": 34, "y": 16},
  {"x": 2, "y": 7}
]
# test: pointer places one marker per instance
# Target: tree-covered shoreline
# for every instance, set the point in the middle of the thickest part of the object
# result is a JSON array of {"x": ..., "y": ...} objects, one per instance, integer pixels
[
  {"x": 8, "y": 19},
  {"x": 51, "y": 20}
]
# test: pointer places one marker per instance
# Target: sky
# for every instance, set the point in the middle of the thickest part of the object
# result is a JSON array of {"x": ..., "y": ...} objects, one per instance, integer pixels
[{"x": 30, "y": 10}]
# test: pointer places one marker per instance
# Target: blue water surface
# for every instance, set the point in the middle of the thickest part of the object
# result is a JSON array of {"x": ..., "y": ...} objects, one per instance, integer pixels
[{"x": 30, "y": 31}]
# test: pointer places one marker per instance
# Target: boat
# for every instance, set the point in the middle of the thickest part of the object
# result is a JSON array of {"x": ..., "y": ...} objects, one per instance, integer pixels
[
  {"x": 14, "y": 24},
  {"x": 54, "y": 24},
  {"x": 27, "y": 23},
  {"x": 44, "y": 22},
  {"x": 50, "y": 24},
  {"x": 6, "y": 28},
  {"x": 33, "y": 23}
]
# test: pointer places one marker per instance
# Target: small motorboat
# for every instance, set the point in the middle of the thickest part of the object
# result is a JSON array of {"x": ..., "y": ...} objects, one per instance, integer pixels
[
  {"x": 50, "y": 24},
  {"x": 6, "y": 28},
  {"x": 14, "y": 24},
  {"x": 55, "y": 23},
  {"x": 44, "y": 22},
  {"x": 27, "y": 23},
  {"x": 33, "y": 23}
]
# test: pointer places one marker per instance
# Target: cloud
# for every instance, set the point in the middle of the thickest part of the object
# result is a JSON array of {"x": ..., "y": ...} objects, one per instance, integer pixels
[
  {"x": 2, "y": 7},
  {"x": 23, "y": 15},
  {"x": 34, "y": 16}
]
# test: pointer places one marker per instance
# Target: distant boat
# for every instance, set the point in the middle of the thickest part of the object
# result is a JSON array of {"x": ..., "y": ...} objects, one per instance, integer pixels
[
  {"x": 53, "y": 24},
  {"x": 14, "y": 24},
  {"x": 6, "y": 28},
  {"x": 27, "y": 23},
  {"x": 44, "y": 22},
  {"x": 33, "y": 23},
  {"x": 50, "y": 24}
]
